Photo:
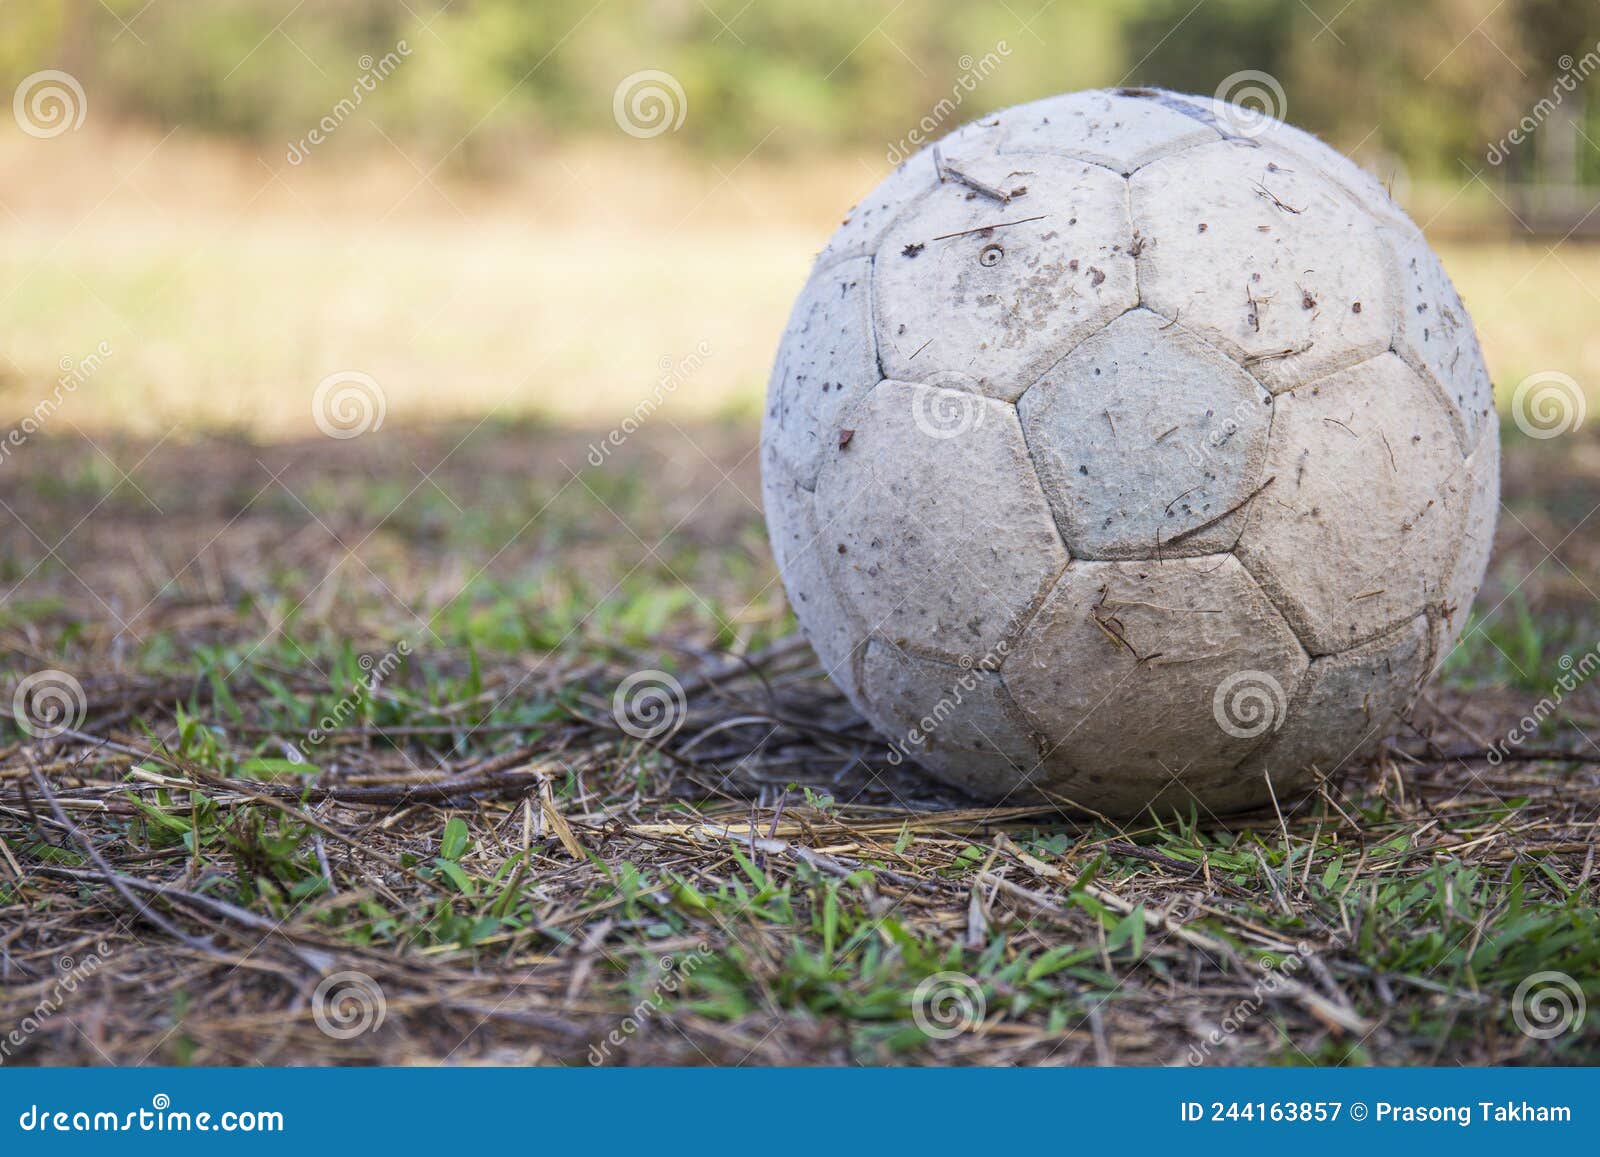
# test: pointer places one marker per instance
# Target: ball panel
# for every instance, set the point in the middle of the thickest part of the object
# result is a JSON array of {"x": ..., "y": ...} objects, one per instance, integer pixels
[
  {"x": 862, "y": 230},
  {"x": 1208, "y": 796},
  {"x": 1359, "y": 527},
  {"x": 1466, "y": 577},
  {"x": 826, "y": 364},
  {"x": 1364, "y": 188},
  {"x": 1145, "y": 438},
  {"x": 1108, "y": 128},
  {"x": 1274, "y": 265},
  {"x": 962, "y": 302},
  {"x": 1436, "y": 335},
  {"x": 834, "y": 633},
  {"x": 955, "y": 721},
  {"x": 1120, "y": 668},
  {"x": 1311, "y": 150},
  {"x": 1346, "y": 706},
  {"x": 935, "y": 530}
]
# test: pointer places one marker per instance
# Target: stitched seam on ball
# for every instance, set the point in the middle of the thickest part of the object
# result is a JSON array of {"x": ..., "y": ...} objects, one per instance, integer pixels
[
  {"x": 1410, "y": 698},
  {"x": 1024, "y": 618},
  {"x": 1412, "y": 357},
  {"x": 1062, "y": 155},
  {"x": 1162, "y": 153},
  {"x": 1277, "y": 603}
]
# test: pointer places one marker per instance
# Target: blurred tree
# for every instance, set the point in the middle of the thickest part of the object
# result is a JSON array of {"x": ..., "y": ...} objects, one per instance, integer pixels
[
  {"x": 1190, "y": 47},
  {"x": 1432, "y": 82},
  {"x": 1556, "y": 36}
]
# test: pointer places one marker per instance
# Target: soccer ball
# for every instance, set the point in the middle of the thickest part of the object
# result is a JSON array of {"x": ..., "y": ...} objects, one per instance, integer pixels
[{"x": 1129, "y": 449}]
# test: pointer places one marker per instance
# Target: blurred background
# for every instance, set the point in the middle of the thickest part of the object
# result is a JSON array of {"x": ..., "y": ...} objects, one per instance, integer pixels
[{"x": 482, "y": 207}]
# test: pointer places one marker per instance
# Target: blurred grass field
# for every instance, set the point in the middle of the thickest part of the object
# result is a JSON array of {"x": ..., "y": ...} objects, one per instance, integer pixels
[{"x": 227, "y": 287}]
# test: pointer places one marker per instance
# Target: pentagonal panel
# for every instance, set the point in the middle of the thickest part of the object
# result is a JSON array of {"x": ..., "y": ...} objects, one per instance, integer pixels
[
  {"x": 1121, "y": 667},
  {"x": 954, "y": 720},
  {"x": 863, "y": 228},
  {"x": 1436, "y": 335},
  {"x": 1109, "y": 128},
  {"x": 1358, "y": 529},
  {"x": 968, "y": 288},
  {"x": 1274, "y": 264},
  {"x": 1148, "y": 442},
  {"x": 1347, "y": 704},
  {"x": 826, "y": 364},
  {"x": 934, "y": 526},
  {"x": 1477, "y": 539},
  {"x": 797, "y": 545}
]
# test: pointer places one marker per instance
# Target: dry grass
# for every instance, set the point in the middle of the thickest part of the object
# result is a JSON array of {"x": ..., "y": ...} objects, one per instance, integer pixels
[{"x": 513, "y": 871}]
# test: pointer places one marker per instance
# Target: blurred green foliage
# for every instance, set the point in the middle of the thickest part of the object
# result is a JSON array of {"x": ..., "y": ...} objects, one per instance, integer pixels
[{"x": 1430, "y": 82}]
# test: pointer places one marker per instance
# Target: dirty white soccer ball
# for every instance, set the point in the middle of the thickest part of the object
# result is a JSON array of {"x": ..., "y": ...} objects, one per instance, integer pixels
[{"x": 1130, "y": 449}]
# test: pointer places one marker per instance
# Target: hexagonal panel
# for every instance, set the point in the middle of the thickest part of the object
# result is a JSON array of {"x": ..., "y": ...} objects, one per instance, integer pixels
[
  {"x": 1347, "y": 704},
  {"x": 1436, "y": 336},
  {"x": 1148, "y": 442},
  {"x": 956, "y": 721},
  {"x": 1121, "y": 667},
  {"x": 1364, "y": 188},
  {"x": 1276, "y": 265},
  {"x": 1359, "y": 528},
  {"x": 967, "y": 287},
  {"x": 860, "y": 233},
  {"x": 826, "y": 363},
  {"x": 934, "y": 527},
  {"x": 1118, "y": 131},
  {"x": 797, "y": 545}
]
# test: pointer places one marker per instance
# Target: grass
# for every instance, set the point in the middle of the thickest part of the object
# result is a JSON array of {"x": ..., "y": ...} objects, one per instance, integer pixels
[
  {"x": 347, "y": 705},
  {"x": 348, "y": 709},
  {"x": 226, "y": 287}
]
